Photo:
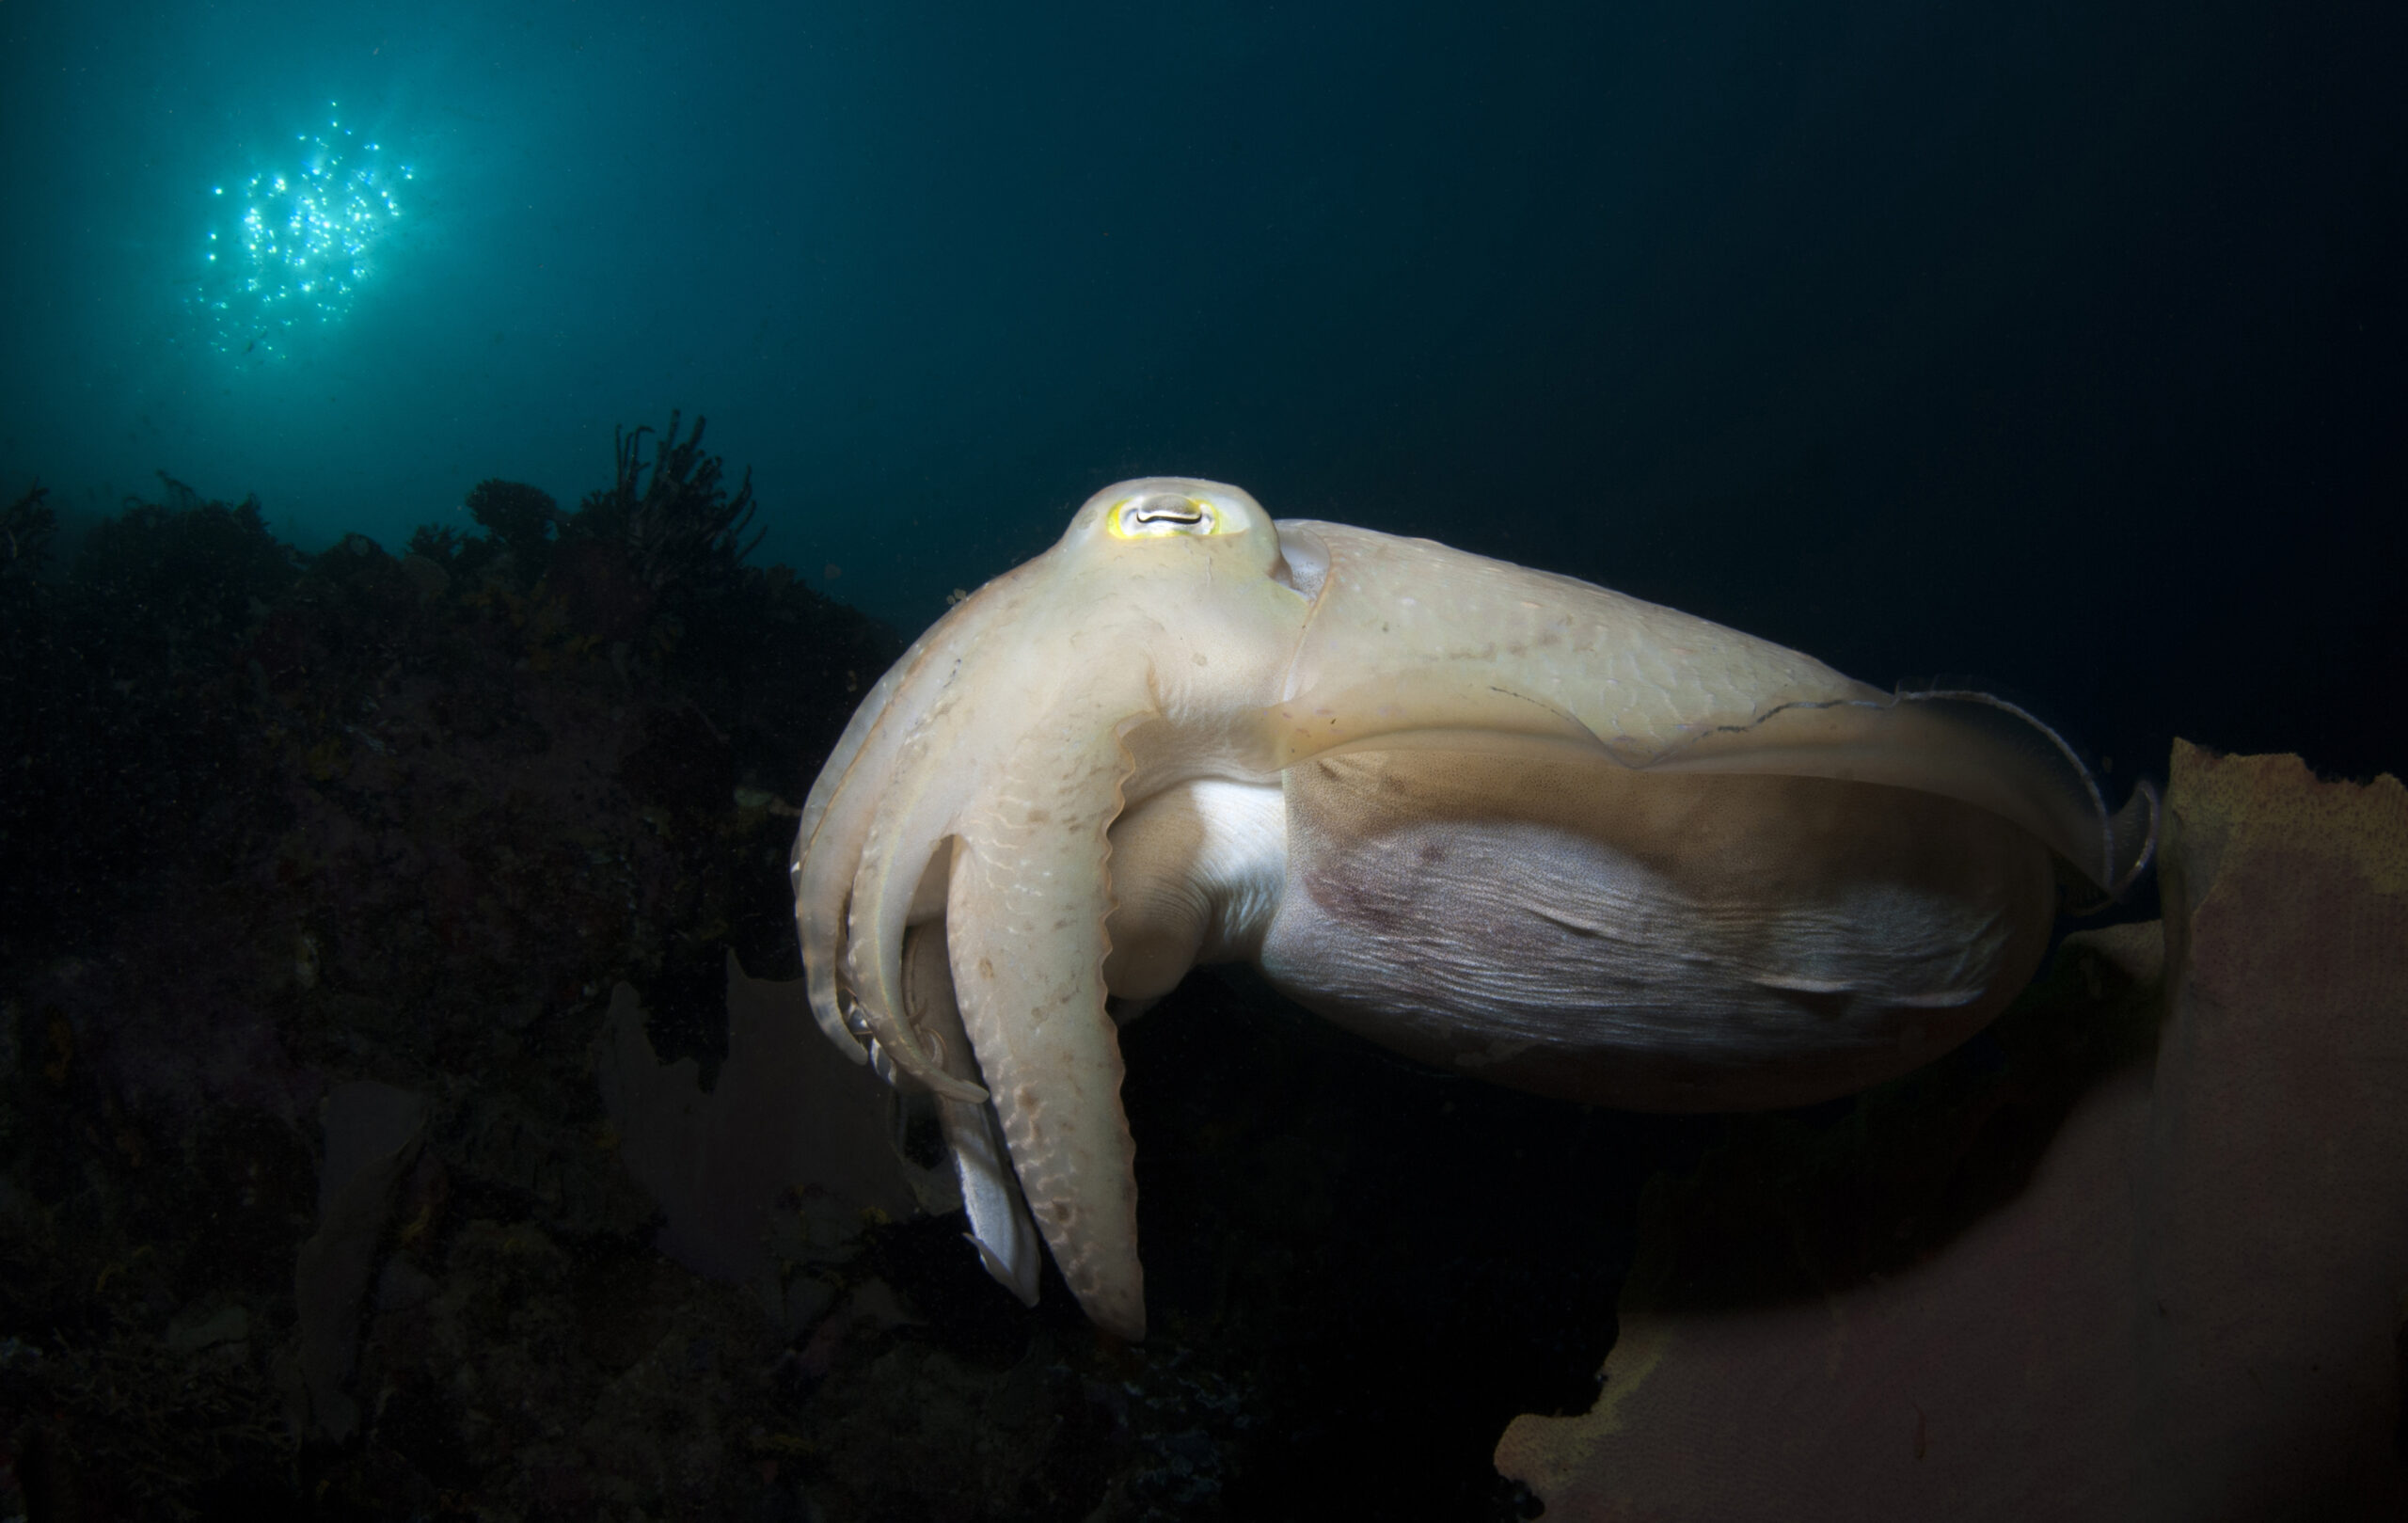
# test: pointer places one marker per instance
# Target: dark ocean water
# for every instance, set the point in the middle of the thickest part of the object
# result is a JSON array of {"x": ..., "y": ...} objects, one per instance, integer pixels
[{"x": 2063, "y": 344}]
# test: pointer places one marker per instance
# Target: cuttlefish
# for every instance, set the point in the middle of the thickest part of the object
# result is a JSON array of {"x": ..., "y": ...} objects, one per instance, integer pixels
[{"x": 1500, "y": 820}]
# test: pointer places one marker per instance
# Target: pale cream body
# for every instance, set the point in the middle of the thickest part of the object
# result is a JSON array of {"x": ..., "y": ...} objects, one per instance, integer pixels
[{"x": 1499, "y": 820}]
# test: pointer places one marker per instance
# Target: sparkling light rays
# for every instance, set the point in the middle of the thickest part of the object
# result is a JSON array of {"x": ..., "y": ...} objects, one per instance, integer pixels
[{"x": 295, "y": 242}]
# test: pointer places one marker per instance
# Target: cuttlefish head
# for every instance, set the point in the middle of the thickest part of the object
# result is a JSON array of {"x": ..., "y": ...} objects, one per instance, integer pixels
[{"x": 977, "y": 783}]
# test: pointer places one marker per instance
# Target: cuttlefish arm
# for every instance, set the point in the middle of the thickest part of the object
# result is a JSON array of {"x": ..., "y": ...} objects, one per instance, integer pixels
[
  {"x": 873, "y": 750},
  {"x": 1175, "y": 636}
]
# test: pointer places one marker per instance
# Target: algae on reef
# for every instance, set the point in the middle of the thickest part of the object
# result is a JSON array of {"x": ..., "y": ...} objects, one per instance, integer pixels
[{"x": 285, "y": 828}]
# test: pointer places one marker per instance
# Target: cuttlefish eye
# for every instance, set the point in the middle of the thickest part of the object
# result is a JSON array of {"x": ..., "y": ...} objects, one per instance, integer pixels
[{"x": 1164, "y": 513}]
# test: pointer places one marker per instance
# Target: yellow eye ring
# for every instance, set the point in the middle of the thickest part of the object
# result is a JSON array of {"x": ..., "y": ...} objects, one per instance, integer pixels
[{"x": 1162, "y": 514}]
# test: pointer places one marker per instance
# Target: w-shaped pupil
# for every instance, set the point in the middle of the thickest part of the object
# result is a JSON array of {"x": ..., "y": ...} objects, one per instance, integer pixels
[{"x": 1168, "y": 507}]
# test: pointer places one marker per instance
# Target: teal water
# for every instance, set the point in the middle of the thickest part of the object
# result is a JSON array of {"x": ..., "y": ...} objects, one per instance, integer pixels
[{"x": 2045, "y": 342}]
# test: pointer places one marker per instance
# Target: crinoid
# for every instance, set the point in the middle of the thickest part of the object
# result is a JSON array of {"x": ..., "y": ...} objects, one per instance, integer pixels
[
  {"x": 678, "y": 521},
  {"x": 26, "y": 526}
]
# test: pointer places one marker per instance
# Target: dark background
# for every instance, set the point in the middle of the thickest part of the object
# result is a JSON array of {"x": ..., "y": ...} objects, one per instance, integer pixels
[
  {"x": 2061, "y": 344},
  {"x": 2057, "y": 345}
]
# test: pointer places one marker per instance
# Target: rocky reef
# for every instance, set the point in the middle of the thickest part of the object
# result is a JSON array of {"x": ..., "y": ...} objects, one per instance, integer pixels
[{"x": 395, "y": 960}]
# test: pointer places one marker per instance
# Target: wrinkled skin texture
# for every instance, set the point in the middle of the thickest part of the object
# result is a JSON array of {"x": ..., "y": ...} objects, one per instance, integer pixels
[{"x": 1497, "y": 820}]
